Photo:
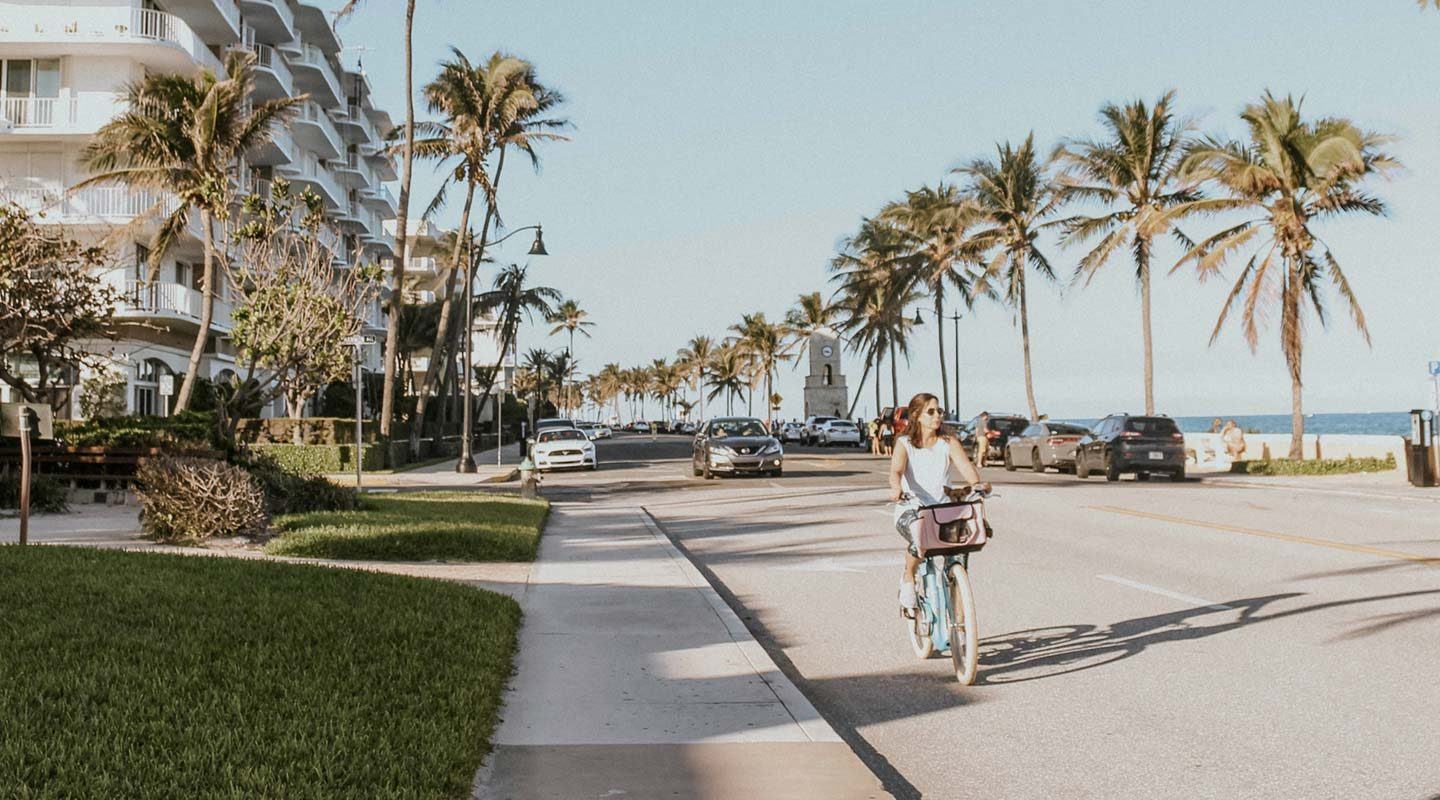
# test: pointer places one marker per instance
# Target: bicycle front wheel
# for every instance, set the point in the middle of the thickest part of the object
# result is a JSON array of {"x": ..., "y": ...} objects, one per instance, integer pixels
[{"x": 964, "y": 630}]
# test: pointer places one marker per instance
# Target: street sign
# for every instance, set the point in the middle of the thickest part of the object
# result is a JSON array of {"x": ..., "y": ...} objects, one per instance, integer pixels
[
  {"x": 167, "y": 385},
  {"x": 41, "y": 428},
  {"x": 1435, "y": 368},
  {"x": 359, "y": 341}
]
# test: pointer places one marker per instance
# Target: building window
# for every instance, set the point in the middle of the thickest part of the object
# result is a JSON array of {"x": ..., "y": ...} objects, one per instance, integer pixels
[
  {"x": 148, "y": 401},
  {"x": 829, "y": 376}
]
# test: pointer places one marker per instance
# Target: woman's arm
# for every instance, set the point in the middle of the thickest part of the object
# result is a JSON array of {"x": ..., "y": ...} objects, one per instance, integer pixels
[
  {"x": 962, "y": 462},
  {"x": 898, "y": 462}
]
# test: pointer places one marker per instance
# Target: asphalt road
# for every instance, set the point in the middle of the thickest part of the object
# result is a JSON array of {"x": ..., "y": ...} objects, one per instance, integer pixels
[{"x": 1148, "y": 640}]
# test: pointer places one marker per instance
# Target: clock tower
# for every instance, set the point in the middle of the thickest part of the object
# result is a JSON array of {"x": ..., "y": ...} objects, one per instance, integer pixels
[{"x": 825, "y": 392}]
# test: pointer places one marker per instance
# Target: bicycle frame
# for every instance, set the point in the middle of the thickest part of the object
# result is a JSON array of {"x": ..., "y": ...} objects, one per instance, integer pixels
[{"x": 934, "y": 596}]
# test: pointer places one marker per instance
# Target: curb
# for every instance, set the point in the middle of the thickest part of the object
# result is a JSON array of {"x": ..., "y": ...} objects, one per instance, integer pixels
[
  {"x": 505, "y": 478},
  {"x": 799, "y": 707}
]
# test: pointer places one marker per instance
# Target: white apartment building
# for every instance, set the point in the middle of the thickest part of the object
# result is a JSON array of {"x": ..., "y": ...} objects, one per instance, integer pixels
[
  {"x": 64, "y": 65},
  {"x": 426, "y": 274}
]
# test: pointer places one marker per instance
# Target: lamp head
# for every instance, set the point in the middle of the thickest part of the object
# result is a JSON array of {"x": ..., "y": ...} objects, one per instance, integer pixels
[
  {"x": 538, "y": 248},
  {"x": 919, "y": 320}
]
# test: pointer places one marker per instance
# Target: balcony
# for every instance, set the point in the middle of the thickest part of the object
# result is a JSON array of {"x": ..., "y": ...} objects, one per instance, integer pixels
[
  {"x": 215, "y": 20},
  {"x": 423, "y": 267},
  {"x": 272, "y": 18},
  {"x": 168, "y": 301},
  {"x": 273, "y": 78},
  {"x": 355, "y": 124},
  {"x": 64, "y": 115},
  {"x": 279, "y": 151},
  {"x": 380, "y": 197},
  {"x": 314, "y": 74},
  {"x": 314, "y": 129},
  {"x": 312, "y": 171},
  {"x": 106, "y": 205},
  {"x": 160, "y": 41},
  {"x": 352, "y": 171}
]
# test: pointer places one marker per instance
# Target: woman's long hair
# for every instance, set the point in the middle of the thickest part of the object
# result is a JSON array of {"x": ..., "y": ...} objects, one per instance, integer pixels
[{"x": 913, "y": 412}]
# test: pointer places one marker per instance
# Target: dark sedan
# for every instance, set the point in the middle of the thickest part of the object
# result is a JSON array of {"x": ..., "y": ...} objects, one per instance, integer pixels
[
  {"x": 1140, "y": 445},
  {"x": 735, "y": 445}
]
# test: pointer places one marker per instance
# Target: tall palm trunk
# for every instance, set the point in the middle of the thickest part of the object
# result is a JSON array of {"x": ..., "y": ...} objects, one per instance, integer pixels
[
  {"x": 442, "y": 328},
  {"x": 879, "y": 365},
  {"x": 397, "y": 298},
  {"x": 859, "y": 390},
  {"x": 769, "y": 404},
  {"x": 1290, "y": 341},
  {"x": 1142, "y": 264},
  {"x": 894, "y": 379},
  {"x": 571, "y": 352},
  {"x": 940, "y": 332},
  {"x": 1025, "y": 344},
  {"x": 207, "y": 313}
]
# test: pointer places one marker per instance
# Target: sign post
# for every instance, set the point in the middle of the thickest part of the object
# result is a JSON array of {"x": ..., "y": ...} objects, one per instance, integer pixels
[
  {"x": 23, "y": 419},
  {"x": 355, "y": 343}
]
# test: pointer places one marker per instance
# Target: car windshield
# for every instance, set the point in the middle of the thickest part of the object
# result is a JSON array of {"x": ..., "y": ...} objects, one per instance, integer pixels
[
  {"x": 561, "y": 435},
  {"x": 738, "y": 427},
  {"x": 822, "y": 420},
  {"x": 1061, "y": 429},
  {"x": 1151, "y": 426}
]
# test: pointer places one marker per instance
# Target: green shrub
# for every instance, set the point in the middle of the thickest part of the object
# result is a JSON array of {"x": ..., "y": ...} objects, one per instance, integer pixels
[
  {"x": 194, "y": 499},
  {"x": 315, "y": 459},
  {"x": 47, "y": 494},
  {"x": 188, "y": 429},
  {"x": 1326, "y": 466},
  {"x": 288, "y": 491},
  {"x": 312, "y": 430}
]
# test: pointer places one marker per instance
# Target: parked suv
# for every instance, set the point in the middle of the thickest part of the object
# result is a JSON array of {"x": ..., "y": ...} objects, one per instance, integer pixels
[
  {"x": 998, "y": 431},
  {"x": 810, "y": 434},
  {"x": 1140, "y": 445}
]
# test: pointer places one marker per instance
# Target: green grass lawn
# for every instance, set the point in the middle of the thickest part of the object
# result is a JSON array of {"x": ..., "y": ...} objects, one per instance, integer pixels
[
  {"x": 141, "y": 675},
  {"x": 432, "y": 526}
]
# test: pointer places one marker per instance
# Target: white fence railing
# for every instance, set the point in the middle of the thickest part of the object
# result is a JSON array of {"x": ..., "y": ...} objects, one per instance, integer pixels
[
  {"x": 141, "y": 298},
  {"x": 104, "y": 203}
]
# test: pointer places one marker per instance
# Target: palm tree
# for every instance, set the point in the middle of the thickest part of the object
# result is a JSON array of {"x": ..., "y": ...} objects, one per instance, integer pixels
[
  {"x": 810, "y": 315},
  {"x": 485, "y": 108},
  {"x": 765, "y": 343},
  {"x": 1016, "y": 196},
  {"x": 934, "y": 224},
  {"x": 1135, "y": 165},
  {"x": 402, "y": 214},
  {"x": 569, "y": 316},
  {"x": 511, "y": 297},
  {"x": 872, "y": 299},
  {"x": 612, "y": 385},
  {"x": 183, "y": 135},
  {"x": 728, "y": 377},
  {"x": 1289, "y": 174},
  {"x": 697, "y": 355}
]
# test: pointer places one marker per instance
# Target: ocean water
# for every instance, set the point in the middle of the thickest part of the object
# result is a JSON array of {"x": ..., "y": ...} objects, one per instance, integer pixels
[{"x": 1379, "y": 423}]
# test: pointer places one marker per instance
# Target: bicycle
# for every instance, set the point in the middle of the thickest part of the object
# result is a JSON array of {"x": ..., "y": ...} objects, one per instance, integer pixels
[{"x": 944, "y": 617}]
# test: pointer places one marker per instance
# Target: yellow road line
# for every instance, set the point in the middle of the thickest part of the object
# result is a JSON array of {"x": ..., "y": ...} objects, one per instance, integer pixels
[{"x": 1284, "y": 537}]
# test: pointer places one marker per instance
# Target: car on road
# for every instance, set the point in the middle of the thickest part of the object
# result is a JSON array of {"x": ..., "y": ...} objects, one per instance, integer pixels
[
  {"x": 1043, "y": 445},
  {"x": 554, "y": 422},
  {"x": 998, "y": 431},
  {"x": 1132, "y": 443},
  {"x": 790, "y": 432},
  {"x": 734, "y": 445},
  {"x": 810, "y": 432},
  {"x": 557, "y": 448},
  {"x": 838, "y": 432},
  {"x": 602, "y": 431},
  {"x": 640, "y": 427}
]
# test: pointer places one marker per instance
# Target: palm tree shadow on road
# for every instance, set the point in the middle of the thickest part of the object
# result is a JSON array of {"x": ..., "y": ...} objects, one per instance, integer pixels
[{"x": 1039, "y": 653}]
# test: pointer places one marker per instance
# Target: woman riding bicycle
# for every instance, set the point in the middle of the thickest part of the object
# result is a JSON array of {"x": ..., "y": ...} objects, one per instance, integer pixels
[{"x": 919, "y": 475}]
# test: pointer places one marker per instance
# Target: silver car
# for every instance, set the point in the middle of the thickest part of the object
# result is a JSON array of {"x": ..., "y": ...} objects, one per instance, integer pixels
[
  {"x": 1043, "y": 445},
  {"x": 734, "y": 445}
]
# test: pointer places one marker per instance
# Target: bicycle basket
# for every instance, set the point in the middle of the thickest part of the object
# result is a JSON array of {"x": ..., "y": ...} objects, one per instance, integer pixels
[{"x": 949, "y": 528}]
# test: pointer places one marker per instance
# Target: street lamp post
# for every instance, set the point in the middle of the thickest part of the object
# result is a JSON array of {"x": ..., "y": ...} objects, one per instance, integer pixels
[
  {"x": 956, "y": 318},
  {"x": 466, "y": 462}
]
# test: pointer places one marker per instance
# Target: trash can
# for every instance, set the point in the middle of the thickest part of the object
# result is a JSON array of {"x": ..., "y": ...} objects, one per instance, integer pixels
[{"x": 1419, "y": 459}]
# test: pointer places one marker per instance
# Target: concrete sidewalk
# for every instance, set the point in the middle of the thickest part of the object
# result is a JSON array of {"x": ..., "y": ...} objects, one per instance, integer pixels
[
  {"x": 636, "y": 680},
  {"x": 442, "y": 474}
]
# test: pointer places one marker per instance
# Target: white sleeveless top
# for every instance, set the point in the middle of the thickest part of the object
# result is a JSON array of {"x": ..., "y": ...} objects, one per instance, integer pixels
[{"x": 927, "y": 472}]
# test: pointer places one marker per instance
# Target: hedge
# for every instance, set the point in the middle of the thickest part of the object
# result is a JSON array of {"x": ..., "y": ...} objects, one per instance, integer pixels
[
  {"x": 1326, "y": 466},
  {"x": 188, "y": 429},
  {"x": 313, "y": 430},
  {"x": 321, "y": 458}
]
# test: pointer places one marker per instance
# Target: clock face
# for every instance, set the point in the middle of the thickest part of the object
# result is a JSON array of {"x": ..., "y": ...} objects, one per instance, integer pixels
[{"x": 827, "y": 351}]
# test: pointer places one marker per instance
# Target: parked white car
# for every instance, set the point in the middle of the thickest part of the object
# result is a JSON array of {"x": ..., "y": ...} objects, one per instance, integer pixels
[
  {"x": 557, "y": 448},
  {"x": 602, "y": 431},
  {"x": 790, "y": 431},
  {"x": 810, "y": 434},
  {"x": 838, "y": 432}
]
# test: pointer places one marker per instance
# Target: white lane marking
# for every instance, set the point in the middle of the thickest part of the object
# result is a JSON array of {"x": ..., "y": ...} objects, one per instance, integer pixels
[
  {"x": 777, "y": 484},
  {"x": 1198, "y": 602}
]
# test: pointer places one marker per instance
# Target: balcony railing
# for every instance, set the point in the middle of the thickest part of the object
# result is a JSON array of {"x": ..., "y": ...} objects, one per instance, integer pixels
[
  {"x": 102, "y": 25},
  {"x": 308, "y": 55},
  {"x": 95, "y": 203},
  {"x": 139, "y": 298},
  {"x": 66, "y": 113},
  {"x": 147, "y": 23},
  {"x": 281, "y": 10},
  {"x": 267, "y": 58},
  {"x": 311, "y": 112}
]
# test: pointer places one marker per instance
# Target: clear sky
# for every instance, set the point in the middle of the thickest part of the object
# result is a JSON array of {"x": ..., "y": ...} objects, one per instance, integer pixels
[{"x": 721, "y": 149}]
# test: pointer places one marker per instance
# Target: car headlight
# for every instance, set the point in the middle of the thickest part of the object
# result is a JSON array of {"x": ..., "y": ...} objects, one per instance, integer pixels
[{"x": 774, "y": 447}]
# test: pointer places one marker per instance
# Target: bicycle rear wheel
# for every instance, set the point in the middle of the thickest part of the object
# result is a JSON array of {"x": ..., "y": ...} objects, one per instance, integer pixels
[{"x": 964, "y": 631}]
